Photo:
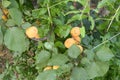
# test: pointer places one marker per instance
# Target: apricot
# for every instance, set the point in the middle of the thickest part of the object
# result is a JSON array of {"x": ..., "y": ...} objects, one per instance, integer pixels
[
  {"x": 77, "y": 39},
  {"x": 69, "y": 42},
  {"x": 32, "y": 32},
  {"x": 37, "y": 36},
  {"x": 56, "y": 67},
  {"x": 47, "y": 68},
  {"x": 4, "y": 17},
  {"x": 81, "y": 48},
  {"x": 75, "y": 31},
  {"x": 5, "y": 11}
]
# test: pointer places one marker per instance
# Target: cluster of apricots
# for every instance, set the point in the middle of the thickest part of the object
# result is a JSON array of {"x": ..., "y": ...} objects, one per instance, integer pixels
[
  {"x": 32, "y": 32},
  {"x": 5, "y": 14},
  {"x": 51, "y": 67},
  {"x": 75, "y": 39}
]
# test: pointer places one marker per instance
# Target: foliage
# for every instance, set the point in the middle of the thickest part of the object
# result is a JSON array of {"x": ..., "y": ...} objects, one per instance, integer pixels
[{"x": 24, "y": 58}]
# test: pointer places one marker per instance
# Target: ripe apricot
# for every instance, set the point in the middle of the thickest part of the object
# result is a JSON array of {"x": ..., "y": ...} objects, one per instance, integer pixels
[
  {"x": 32, "y": 32},
  {"x": 69, "y": 42},
  {"x": 81, "y": 48},
  {"x": 77, "y": 39},
  {"x": 75, "y": 31},
  {"x": 56, "y": 67},
  {"x": 5, "y": 11},
  {"x": 4, "y": 17},
  {"x": 47, "y": 68},
  {"x": 37, "y": 36}
]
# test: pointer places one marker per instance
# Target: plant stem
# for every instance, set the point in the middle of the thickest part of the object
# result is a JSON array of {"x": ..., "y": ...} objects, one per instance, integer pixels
[
  {"x": 113, "y": 18},
  {"x": 106, "y": 41}
]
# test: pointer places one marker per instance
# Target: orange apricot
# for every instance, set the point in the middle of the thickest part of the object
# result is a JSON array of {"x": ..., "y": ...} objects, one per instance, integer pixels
[
  {"x": 77, "y": 38},
  {"x": 69, "y": 42},
  {"x": 75, "y": 31},
  {"x": 32, "y": 32},
  {"x": 5, "y": 11},
  {"x": 56, "y": 67},
  {"x": 47, "y": 68},
  {"x": 81, "y": 48},
  {"x": 37, "y": 36},
  {"x": 4, "y": 17}
]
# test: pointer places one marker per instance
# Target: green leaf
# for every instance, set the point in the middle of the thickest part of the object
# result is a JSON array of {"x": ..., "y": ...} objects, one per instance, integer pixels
[
  {"x": 49, "y": 45},
  {"x": 74, "y": 51},
  {"x": 79, "y": 74},
  {"x": 90, "y": 54},
  {"x": 74, "y": 18},
  {"x": 41, "y": 59},
  {"x": 10, "y": 22},
  {"x": 97, "y": 69},
  {"x": 83, "y": 2},
  {"x": 82, "y": 31},
  {"x": 102, "y": 69},
  {"x": 15, "y": 40},
  {"x": 46, "y": 75},
  {"x": 5, "y": 3},
  {"x": 16, "y": 16},
  {"x": 59, "y": 44},
  {"x": 85, "y": 61},
  {"x": 52, "y": 37},
  {"x": 102, "y": 3},
  {"x": 43, "y": 30},
  {"x": 26, "y": 25},
  {"x": 66, "y": 68},
  {"x": 1, "y": 36},
  {"x": 36, "y": 13},
  {"x": 21, "y": 2},
  {"x": 92, "y": 70},
  {"x": 104, "y": 54},
  {"x": 92, "y": 22},
  {"x": 63, "y": 31},
  {"x": 58, "y": 59},
  {"x": 14, "y": 4}
]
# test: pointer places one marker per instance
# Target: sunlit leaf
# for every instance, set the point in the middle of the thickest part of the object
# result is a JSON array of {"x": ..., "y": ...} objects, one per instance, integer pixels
[
  {"x": 6, "y": 3},
  {"x": 92, "y": 22},
  {"x": 49, "y": 45},
  {"x": 82, "y": 31}
]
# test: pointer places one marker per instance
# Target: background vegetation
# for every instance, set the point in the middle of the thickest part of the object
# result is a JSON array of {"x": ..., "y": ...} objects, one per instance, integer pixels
[{"x": 22, "y": 58}]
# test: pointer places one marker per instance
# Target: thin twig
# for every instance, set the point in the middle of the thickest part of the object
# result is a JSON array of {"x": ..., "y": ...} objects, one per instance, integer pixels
[
  {"x": 113, "y": 18},
  {"x": 106, "y": 41},
  {"x": 103, "y": 19},
  {"x": 48, "y": 10},
  {"x": 40, "y": 39}
]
